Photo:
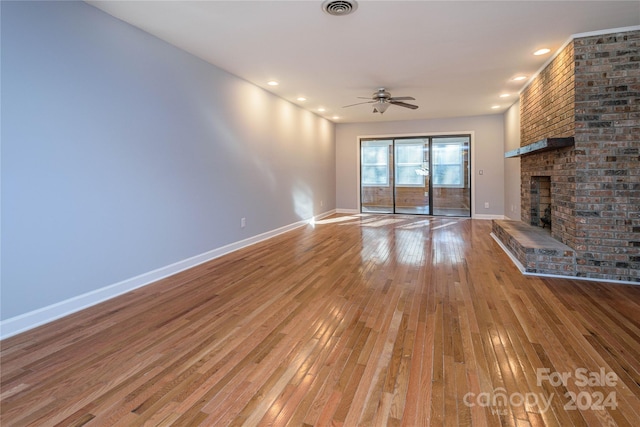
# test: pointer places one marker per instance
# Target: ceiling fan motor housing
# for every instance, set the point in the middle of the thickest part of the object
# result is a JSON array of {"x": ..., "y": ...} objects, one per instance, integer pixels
[
  {"x": 381, "y": 99},
  {"x": 381, "y": 94}
]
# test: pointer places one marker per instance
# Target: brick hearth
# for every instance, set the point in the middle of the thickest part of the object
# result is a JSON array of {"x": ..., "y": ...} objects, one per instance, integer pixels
[{"x": 535, "y": 249}]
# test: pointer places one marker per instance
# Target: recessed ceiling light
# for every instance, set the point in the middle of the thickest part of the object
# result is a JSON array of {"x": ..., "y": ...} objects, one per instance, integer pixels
[
  {"x": 273, "y": 83},
  {"x": 519, "y": 78},
  {"x": 322, "y": 109},
  {"x": 335, "y": 117},
  {"x": 301, "y": 98},
  {"x": 542, "y": 51},
  {"x": 495, "y": 107},
  {"x": 505, "y": 95}
]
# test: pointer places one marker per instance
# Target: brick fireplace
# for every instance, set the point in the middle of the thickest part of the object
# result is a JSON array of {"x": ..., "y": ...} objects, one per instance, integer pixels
[
  {"x": 540, "y": 192},
  {"x": 590, "y": 92}
]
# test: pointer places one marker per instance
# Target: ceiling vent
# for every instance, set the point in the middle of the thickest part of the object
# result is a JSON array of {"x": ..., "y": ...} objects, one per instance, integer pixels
[{"x": 339, "y": 7}]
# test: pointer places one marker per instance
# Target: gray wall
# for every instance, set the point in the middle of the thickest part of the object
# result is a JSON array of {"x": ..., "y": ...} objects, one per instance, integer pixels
[
  {"x": 122, "y": 154},
  {"x": 488, "y": 151},
  {"x": 512, "y": 165}
]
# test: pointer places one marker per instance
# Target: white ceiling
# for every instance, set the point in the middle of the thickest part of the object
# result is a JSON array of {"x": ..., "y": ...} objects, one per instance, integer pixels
[{"x": 454, "y": 57}]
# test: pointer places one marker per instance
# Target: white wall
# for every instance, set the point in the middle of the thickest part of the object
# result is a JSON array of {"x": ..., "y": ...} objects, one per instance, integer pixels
[
  {"x": 487, "y": 154},
  {"x": 122, "y": 155},
  {"x": 512, "y": 165}
]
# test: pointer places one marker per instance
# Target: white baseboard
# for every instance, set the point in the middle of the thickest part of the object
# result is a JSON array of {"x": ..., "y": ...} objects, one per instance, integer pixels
[
  {"x": 347, "y": 211},
  {"x": 41, "y": 316},
  {"x": 506, "y": 250},
  {"x": 475, "y": 216},
  {"x": 485, "y": 216}
]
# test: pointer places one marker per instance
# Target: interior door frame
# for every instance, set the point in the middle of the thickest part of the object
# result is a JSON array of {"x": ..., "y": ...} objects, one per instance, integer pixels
[{"x": 393, "y": 136}]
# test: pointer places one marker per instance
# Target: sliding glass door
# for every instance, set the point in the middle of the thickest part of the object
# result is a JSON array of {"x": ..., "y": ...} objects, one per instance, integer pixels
[
  {"x": 451, "y": 176},
  {"x": 412, "y": 176},
  {"x": 423, "y": 175},
  {"x": 376, "y": 176}
]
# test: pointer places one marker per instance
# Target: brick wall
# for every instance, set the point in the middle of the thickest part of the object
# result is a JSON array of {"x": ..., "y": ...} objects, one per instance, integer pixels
[
  {"x": 590, "y": 91},
  {"x": 547, "y": 110},
  {"x": 547, "y": 104},
  {"x": 607, "y": 134}
]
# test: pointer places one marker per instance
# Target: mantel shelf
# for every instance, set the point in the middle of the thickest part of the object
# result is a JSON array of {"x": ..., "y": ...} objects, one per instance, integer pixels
[{"x": 541, "y": 146}]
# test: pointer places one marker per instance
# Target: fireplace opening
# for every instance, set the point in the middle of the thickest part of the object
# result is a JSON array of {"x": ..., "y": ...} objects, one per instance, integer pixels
[{"x": 541, "y": 201}]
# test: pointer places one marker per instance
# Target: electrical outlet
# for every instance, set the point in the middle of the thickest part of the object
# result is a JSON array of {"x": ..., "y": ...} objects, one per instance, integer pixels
[
  {"x": 243, "y": 222},
  {"x": 486, "y": 205},
  {"x": 321, "y": 203}
]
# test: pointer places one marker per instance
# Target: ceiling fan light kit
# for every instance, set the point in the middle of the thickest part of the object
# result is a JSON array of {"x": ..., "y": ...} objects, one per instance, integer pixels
[
  {"x": 380, "y": 107},
  {"x": 382, "y": 99}
]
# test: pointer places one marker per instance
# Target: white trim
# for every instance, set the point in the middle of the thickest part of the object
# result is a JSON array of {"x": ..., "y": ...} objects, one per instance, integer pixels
[
  {"x": 571, "y": 38},
  {"x": 524, "y": 272},
  {"x": 347, "y": 211},
  {"x": 515, "y": 260},
  {"x": 606, "y": 31},
  {"x": 487, "y": 216},
  {"x": 41, "y": 316}
]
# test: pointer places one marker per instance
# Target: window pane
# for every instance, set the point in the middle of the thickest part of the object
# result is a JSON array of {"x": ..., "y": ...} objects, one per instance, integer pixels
[
  {"x": 446, "y": 154},
  {"x": 406, "y": 175},
  {"x": 409, "y": 153},
  {"x": 374, "y": 175},
  {"x": 447, "y": 165},
  {"x": 409, "y": 157},
  {"x": 374, "y": 155},
  {"x": 448, "y": 175}
]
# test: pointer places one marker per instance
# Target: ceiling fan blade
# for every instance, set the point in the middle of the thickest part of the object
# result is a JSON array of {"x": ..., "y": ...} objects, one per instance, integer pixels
[
  {"x": 402, "y": 98},
  {"x": 404, "y": 104},
  {"x": 359, "y": 103}
]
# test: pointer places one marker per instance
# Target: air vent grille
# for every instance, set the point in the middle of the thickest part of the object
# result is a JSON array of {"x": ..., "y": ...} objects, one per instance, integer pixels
[{"x": 339, "y": 7}]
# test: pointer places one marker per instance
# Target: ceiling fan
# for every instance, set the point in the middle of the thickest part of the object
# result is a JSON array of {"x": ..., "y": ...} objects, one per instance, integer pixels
[{"x": 382, "y": 99}]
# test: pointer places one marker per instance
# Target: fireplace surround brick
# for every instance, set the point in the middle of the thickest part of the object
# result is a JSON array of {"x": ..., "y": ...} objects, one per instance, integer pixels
[
  {"x": 547, "y": 104},
  {"x": 590, "y": 91},
  {"x": 607, "y": 123}
]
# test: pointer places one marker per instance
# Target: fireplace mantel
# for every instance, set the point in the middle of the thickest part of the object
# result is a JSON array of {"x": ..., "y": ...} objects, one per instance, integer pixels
[{"x": 540, "y": 146}]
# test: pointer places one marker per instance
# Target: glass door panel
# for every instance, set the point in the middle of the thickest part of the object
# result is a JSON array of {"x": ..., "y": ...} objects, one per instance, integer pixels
[
  {"x": 412, "y": 176},
  {"x": 451, "y": 178},
  {"x": 376, "y": 176}
]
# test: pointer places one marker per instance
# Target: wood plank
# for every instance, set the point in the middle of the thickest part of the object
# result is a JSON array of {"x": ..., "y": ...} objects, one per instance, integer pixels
[{"x": 365, "y": 320}]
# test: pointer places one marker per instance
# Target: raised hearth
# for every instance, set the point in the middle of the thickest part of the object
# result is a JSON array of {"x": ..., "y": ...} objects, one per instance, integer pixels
[{"x": 535, "y": 249}]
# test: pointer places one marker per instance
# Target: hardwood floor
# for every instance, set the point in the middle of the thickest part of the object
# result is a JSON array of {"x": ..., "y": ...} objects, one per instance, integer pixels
[{"x": 358, "y": 320}]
